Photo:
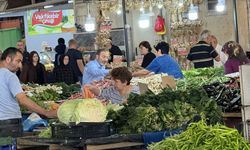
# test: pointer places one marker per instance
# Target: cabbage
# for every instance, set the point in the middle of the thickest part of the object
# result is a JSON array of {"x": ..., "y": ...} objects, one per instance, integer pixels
[
  {"x": 82, "y": 110},
  {"x": 90, "y": 110},
  {"x": 66, "y": 111}
]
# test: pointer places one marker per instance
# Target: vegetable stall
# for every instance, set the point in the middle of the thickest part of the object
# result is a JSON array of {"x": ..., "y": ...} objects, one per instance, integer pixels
[{"x": 205, "y": 93}]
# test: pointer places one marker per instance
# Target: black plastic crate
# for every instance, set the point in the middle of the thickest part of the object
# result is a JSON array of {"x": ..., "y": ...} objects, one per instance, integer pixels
[{"x": 83, "y": 130}]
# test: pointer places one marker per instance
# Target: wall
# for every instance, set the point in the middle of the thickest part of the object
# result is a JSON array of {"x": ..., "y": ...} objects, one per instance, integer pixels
[
  {"x": 222, "y": 25},
  {"x": 137, "y": 33},
  {"x": 34, "y": 42}
]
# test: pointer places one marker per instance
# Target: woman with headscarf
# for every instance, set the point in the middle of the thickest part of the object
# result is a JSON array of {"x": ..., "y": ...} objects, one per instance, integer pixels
[
  {"x": 63, "y": 72},
  {"x": 236, "y": 57},
  {"x": 60, "y": 50},
  {"x": 34, "y": 71}
]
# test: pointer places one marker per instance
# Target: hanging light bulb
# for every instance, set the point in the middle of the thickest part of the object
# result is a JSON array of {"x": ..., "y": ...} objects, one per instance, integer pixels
[
  {"x": 142, "y": 9},
  {"x": 90, "y": 22},
  {"x": 151, "y": 13},
  {"x": 220, "y": 7},
  {"x": 193, "y": 12},
  {"x": 119, "y": 10},
  {"x": 180, "y": 4},
  {"x": 144, "y": 21},
  {"x": 160, "y": 5}
]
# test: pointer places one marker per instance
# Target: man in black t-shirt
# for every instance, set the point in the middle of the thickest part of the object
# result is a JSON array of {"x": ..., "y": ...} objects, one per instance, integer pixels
[
  {"x": 76, "y": 60},
  {"x": 21, "y": 46},
  {"x": 203, "y": 54}
]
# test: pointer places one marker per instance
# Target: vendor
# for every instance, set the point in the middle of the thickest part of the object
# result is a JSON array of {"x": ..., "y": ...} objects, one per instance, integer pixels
[
  {"x": 162, "y": 64},
  {"x": 117, "y": 93},
  {"x": 113, "y": 49},
  {"x": 146, "y": 49},
  {"x": 95, "y": 70},
  {"x": 11, "y": 94}
]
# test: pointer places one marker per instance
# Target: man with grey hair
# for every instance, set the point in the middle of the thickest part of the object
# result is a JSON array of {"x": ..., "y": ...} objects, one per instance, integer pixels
[{"x": 202, "y": 54}]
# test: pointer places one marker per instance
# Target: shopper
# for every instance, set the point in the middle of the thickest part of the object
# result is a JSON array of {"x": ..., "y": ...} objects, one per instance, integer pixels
[
  {"x": 218, "y": 48},
  {"x": 76, "y": 60},
  {"x": 63, "y": 72},
  {"x": 119, "y": 92},
  {"x": 146, "y": 52},
  {"x": 113, "y": 49},
  {"x": 236, "y": 57},
  {"x": 11, "y": 95},
  {"x": 95, "y": 69},
  {"x": 162, "y": 64},
  {"x": 202, "y": 54},
  {"x": 60, "y": 50},
  {"x": 21, "y": 46},
  {"x": 33, "y": 72}
]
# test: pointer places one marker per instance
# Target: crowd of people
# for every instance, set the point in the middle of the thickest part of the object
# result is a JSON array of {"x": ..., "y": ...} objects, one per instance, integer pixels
[{"x": 19, "y": 66}]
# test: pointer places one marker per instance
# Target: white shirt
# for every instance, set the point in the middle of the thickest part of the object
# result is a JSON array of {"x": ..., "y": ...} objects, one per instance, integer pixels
[{"x": 223, "y": 57}]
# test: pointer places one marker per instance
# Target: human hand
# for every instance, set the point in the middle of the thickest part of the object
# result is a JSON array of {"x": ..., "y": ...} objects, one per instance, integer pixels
[{"x": 51, "y": 114}]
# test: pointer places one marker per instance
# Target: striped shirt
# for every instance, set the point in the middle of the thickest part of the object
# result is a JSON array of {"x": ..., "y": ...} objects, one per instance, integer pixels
[
  {"x": 112, "y": 94},
  {"x": 202, "y": 55}
]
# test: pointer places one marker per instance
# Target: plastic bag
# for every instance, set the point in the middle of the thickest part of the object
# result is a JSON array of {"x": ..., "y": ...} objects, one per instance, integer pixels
[
  {"x": 160, "y": 27},
  {"x": 34, "y": 120}
]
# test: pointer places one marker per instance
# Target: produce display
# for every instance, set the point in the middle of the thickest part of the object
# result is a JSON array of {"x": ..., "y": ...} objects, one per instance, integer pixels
[
  {"x": 154, "y": 82},
  {"x": 82, "y": 110},
  {"x": 225, "y": 91},
  {"x": 200, "y": 136},
  {"x": 167, "y": 110},
  {"x": 228, "y": 97},
  {"x": 46, "y": 133}
]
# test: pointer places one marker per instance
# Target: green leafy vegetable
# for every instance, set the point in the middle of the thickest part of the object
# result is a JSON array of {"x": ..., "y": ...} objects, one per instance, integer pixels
[{"x": 200, "y": 136}]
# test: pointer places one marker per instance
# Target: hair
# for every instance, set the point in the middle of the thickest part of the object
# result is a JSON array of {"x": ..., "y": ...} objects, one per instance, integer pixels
[
  {"x": 146, "y": 45},
  {"x": 20, "y": 41},
  {"x": 99, "y": 51},
  {"x": 31, "y": 56},
  {"x": 205, "y": 34},
  {"x": 235, "y": 51},
  {"x": 163, "y": 46},
  {"x": 122, "y": 73},
  {"x": 10, "y": 52},
  {"x": 61, "y": 41},
  {"x": 72, "y": 42}
]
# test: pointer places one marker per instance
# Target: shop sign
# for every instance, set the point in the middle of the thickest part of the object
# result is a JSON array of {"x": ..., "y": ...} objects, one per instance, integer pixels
[{"x": 47, "y": 22}]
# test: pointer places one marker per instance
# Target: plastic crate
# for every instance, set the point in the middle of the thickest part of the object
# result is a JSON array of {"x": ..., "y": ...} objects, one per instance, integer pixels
[{"x": 84, "y": 130}]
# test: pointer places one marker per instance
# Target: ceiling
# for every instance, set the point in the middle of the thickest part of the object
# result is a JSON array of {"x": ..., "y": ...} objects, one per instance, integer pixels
[{"x": 17, "y": 5}]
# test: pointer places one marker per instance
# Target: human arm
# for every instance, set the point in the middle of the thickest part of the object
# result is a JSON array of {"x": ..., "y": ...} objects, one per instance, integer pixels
[
  {"x": 214, "y": 54},
  {"x": 96, "y": 70},
  {"x": 80, "y": 65},
  {"x": 94, "y": 89},
  {"x": 32, "y": 106},
  {"x": 16, "y": 90},
  {"x": 139, "y": 73}
]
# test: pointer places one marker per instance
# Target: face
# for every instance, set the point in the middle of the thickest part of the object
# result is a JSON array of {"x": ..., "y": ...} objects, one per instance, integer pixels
[
  {"x": 158, "y": 53},
  {"x": 103, "y": 57},
  {"x": 15, "y": 63},
  {"x": 20, "y": 46},
  {"x": 118, "y": 84},
  {"x": 108, "y": 45},
  {"x": 66, "y": 60},
  {"x": 144, "y": 50},
  {"x": 214, "y": 42},
  {"x": 35, "y": 58}
]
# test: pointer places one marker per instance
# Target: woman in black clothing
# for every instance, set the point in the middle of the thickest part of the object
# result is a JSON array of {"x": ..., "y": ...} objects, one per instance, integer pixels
[
  {"x": 63, "y": 72},
  {"x": 146, "y": 51},
  {"x": 34, "y": 71},
  {"x": 60, "y": 50}
]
